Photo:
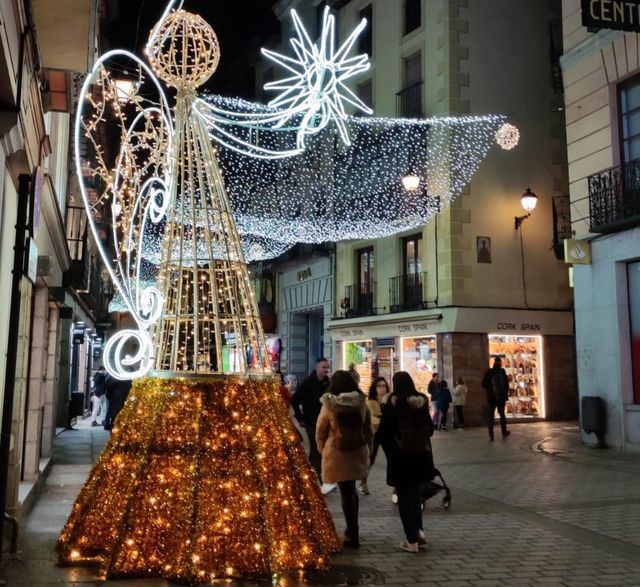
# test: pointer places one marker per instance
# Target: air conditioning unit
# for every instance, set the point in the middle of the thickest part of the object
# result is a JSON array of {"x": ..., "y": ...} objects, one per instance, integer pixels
[{"x": 45, "y": 265}]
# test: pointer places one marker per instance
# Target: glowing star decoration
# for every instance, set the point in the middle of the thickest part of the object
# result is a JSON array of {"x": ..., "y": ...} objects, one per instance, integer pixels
[
  {"x": 317, "y": 87},
  {"x": 508, "y": 136}
]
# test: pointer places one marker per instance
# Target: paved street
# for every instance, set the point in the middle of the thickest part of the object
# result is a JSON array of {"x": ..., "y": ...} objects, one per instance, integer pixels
[{"x": 535, "y": 509}]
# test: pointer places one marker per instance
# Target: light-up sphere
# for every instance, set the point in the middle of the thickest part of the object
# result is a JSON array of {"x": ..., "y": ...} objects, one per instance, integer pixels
[
  {"x": 183, "y": 50},
  {"x": 508, "y": 136}
]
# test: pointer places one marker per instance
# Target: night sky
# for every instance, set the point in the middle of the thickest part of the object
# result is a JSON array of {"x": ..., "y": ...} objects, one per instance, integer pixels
[{"x": 242, "y": 27}]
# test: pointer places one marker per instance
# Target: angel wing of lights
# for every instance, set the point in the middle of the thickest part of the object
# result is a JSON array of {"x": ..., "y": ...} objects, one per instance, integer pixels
[{"x": 128, "y": 190}]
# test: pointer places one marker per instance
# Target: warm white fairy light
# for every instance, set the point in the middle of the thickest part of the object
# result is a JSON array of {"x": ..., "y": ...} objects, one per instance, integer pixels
[{"x": 508, "y": 136}]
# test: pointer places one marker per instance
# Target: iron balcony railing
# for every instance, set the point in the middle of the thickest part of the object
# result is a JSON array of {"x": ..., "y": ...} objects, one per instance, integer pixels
[
  {"x": 614, "y": 198},
  {"x": 409, "y": 101},
  {"x": 408, "y": 292},
  {"x": 359, "y": 300}
]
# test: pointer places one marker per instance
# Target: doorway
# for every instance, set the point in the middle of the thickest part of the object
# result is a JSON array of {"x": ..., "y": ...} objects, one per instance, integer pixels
[{"x": 306, "y": 341}]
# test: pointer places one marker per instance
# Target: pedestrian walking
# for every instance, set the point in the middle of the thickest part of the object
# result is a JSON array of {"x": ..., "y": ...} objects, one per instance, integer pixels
[
  {"x": 116, "y": 391},
  {"x": 459, "y": 399},
  {"x": 379, "y": 389},
  {"x": 405, "y": 432},
  {"x": 306, "y": 406},
  {"x": 344, "y": 436},
  {"x": 354, "y": 373},
  {"x": 496, "y": 384},
  {"x": 99, "y": 397},
  {"x": 444, "y": 401},
  {"x": 433, "y": 389}
]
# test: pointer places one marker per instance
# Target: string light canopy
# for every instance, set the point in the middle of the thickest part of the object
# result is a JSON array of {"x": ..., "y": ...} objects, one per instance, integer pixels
[{"x": 334, "y": 191}]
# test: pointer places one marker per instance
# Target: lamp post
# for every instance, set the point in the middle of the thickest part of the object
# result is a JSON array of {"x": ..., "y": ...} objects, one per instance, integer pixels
[{"x": 529, "y": 202}]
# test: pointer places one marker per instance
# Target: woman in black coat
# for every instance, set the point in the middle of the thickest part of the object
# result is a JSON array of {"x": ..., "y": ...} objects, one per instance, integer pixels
[{"x": 405, "y": 432}]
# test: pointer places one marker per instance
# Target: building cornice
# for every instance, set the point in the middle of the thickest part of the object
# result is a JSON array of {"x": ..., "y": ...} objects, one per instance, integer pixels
[{"x": 588, "y": 47}]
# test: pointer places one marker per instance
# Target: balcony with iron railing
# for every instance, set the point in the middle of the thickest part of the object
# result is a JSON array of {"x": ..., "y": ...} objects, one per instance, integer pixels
[
  {"x": 408, "y": 292},
  {"x": 77, "y": 276},
  {"x": 614, "y": 198},
  {"x": 409, "y": 101},
  {"x": 359, "y": 300}
]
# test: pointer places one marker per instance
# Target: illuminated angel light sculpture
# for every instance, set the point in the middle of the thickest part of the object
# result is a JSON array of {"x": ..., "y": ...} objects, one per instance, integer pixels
[{"x": 203, "y": 476}]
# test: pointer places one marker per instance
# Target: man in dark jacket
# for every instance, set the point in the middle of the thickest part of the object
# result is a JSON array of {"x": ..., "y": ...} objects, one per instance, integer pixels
[
  {"x": 306, "y": 406},
  {"x": 496, "y": 384},
  {"x": 117, "y": 391}
]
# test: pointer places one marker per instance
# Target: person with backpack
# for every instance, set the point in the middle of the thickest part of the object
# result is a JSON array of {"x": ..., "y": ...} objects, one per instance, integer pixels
[
  {"x": 343, "y": 436},
  {"x": 496, "y": 384},
  {"x": 405, "y": 434},
  {"x": 444, "y": 401}
]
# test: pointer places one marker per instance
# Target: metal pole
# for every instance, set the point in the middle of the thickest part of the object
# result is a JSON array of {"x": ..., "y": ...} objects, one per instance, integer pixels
[{"x": 24, "y": 182}]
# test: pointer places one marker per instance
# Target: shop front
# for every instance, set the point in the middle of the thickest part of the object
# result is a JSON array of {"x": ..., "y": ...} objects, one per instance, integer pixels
[{"x": 537, "y": 349}]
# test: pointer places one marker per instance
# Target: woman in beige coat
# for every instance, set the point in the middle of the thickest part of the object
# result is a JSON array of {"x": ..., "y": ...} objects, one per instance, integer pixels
[{"x": 343, "y": 434}]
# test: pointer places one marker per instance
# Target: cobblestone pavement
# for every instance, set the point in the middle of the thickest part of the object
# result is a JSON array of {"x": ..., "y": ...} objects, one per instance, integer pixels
[{"x": 535, "y": 509}]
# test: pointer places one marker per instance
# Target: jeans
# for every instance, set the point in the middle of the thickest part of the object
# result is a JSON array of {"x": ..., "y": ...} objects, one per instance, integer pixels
[
  {"x": 112, "y": 413},
  {"x": 350, "y": 506},
  {"x": 436, "y": 413},
  {"x": 315, "y": 458},
  {"x": 503, "y": 419},
  {"x": 458, "y": 416},
  {"x": 409, "y": 505},
  {"x": 443, "y": 415},
  {"x": 374, "y": 451},
  {"x": 99, "y": 407}
]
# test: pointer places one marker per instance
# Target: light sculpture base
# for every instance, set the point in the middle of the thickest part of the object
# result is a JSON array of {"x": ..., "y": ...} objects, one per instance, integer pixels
[{"x": 201, "y": 479}]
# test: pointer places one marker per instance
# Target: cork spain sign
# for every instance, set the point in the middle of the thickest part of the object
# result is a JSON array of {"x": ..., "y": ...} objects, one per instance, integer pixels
[{"x": 623, "y": 15}]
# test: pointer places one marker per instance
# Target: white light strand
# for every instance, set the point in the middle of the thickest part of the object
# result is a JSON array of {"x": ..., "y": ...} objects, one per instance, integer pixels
[
  {"x": 334, "y": 192},
  {"x": 137, "y": 194}
]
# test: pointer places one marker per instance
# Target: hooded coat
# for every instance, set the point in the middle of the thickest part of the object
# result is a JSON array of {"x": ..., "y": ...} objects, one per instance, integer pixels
[
  {"x": 404, "y": 468},
  {"x": 342, "y": 465}
]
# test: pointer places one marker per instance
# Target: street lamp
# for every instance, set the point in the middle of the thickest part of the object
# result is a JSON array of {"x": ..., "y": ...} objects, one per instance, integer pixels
[
  {"x": 529, "y": 202},
  {"x": 411, "y": 181},
  {"x": 125, "y": 89}
]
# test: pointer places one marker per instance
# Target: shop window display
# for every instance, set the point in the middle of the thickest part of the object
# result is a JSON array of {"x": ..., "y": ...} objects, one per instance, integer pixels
[
  {"x": 419, "y": 359},
  {"x": 522, "y": 360},
  {"x": 360, "y": 354}
]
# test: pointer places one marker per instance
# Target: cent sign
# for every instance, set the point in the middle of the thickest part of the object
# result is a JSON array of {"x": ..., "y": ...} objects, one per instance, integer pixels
[{"x": 623, "y": 15}]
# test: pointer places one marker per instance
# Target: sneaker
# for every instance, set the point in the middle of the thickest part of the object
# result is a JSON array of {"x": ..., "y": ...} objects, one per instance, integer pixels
[
  {"x": 409, "y": 546},
  {"x": 444, "y": 428},
  {"x": 94, "y": 423},
  {"x": 506, "y": 433},
  {"x": 422, "y": 539},
  {"x": 394, "y": 497},
  {"x": 364, "y": 488},
  {"x": 328, "y": 488},
  {"x": 460, "y": 427}
]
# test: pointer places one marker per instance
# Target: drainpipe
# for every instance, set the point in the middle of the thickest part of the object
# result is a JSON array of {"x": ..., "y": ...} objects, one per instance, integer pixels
[{"x": 12, "y": 340}]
